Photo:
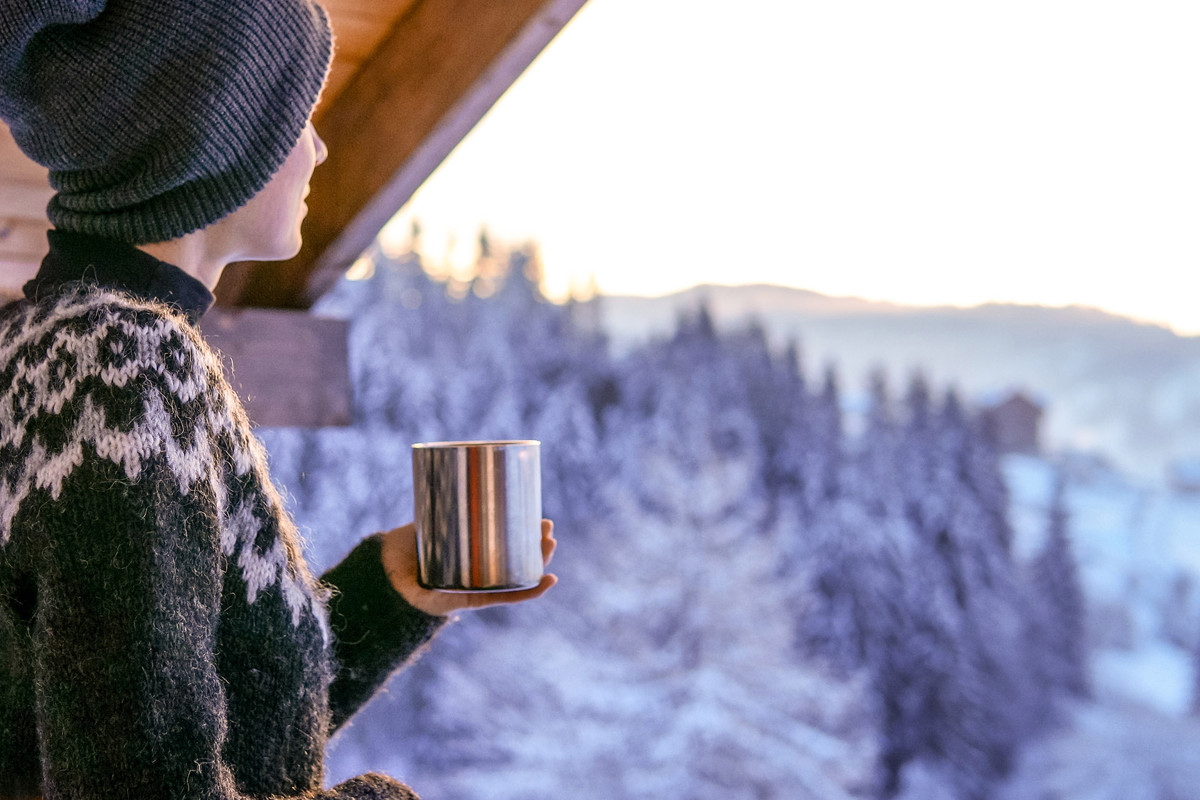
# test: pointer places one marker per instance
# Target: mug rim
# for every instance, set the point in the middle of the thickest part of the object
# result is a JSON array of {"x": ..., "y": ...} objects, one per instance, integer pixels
[{"x": 492, "y": 443}]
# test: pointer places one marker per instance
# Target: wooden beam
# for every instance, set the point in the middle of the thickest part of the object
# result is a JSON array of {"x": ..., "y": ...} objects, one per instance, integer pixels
[
  {"x": 289, "y": 368},
  {"x": 443, "y": 65}
]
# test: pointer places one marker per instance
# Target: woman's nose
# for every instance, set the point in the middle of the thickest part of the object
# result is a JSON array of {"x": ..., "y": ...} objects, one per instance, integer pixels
[{"x": 319, "y": 143}]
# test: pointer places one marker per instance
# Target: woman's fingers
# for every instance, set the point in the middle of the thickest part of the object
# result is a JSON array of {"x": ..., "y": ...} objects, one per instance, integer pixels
[
  {"x": 549, "y": 543},
  {"x": 400, "y": 563}
]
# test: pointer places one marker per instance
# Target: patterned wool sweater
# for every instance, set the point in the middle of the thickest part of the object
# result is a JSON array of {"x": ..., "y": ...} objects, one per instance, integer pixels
[{"x": 160, "y": 633}]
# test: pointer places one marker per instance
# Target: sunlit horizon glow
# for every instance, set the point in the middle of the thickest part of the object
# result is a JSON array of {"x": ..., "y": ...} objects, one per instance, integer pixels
[{"x": 927, "y": 153}]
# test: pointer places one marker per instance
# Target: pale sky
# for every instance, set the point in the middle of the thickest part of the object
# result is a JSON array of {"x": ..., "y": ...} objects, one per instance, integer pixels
[{"x": 925, "y": 151}]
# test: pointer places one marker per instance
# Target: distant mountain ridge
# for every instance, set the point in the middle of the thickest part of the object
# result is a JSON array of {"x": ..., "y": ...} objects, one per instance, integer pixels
[
  {"x": 1128, "y": 389},
  {"x": 765, "y": 297}
]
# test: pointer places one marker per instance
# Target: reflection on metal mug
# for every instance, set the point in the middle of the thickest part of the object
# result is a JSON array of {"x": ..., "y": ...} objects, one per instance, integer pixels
[{"x": 479, "y": 515}]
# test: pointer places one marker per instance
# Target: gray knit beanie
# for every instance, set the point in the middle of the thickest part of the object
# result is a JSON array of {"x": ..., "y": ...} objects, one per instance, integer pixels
[{"x": 158, "y": 117}]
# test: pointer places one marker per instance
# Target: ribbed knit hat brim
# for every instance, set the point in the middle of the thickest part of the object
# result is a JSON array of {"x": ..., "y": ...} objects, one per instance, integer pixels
[{"x": 159, "y": 117}]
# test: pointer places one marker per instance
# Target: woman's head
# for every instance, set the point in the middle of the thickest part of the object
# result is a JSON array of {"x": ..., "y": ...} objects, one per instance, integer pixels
[
  {"x": 157, "y": 118},
  {"x": 267, "y": 228}
]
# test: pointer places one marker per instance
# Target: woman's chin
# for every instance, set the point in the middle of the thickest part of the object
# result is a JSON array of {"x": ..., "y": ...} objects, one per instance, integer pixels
[
  {"x": 281, "y": 250},
  {"x": 294, "y": 250}
]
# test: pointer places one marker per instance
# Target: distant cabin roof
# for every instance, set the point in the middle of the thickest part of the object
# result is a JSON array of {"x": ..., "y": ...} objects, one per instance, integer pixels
[{"x": 999, "y": 397}]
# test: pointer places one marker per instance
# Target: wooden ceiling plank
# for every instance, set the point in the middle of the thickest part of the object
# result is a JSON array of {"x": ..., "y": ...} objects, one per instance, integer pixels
[
  {"x": 23, "y": 239},
  {"x": 380, "y": 11},
  {"x": 427, "y": 84},
  {"x": 15, "y": 165},
  {"x": 24, "y": 200}
]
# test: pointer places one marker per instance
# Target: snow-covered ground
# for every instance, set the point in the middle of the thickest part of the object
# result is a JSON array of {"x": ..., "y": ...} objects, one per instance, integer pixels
[
  {"x": 1138, "y": 549},
  {"x": 1112, "y": 752}
]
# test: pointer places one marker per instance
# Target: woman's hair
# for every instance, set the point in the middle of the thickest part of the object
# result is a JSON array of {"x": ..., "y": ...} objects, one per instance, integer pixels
[{"x": 159, "y": 117}]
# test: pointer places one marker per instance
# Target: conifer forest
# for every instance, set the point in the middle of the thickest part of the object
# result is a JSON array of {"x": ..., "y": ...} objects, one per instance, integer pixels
[{"x": 756, "y": 599}]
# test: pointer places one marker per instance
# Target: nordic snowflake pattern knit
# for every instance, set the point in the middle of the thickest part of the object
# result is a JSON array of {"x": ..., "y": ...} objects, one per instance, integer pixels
[{"x": 160, "y": 633}]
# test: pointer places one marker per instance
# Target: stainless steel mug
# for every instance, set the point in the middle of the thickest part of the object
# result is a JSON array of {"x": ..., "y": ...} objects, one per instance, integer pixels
[{"x": 479, "y": 515}]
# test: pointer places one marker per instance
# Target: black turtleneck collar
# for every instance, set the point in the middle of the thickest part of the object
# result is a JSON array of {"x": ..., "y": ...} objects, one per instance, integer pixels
[{"x": 112, "y": 264}]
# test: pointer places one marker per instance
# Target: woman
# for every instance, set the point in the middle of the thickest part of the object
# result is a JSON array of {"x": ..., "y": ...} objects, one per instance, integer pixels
[{"x": 160, "y": 633}]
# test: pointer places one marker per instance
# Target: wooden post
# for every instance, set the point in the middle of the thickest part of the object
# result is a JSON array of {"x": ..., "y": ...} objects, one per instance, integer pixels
[{"x": 289, "y": 367}]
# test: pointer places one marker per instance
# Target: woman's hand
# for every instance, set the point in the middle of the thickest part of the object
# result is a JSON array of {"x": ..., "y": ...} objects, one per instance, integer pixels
[{"x": 400, "y": 563}]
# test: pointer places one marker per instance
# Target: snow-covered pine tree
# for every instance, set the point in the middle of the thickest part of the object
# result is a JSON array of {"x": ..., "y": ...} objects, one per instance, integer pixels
[
  {"x": 1061, "y": 609},
  {"x": 822, "y": 461},
  {"x": 907, "y": 651},
  {"x": 980, "y": 465},
  {"x": 774, "y": 393},
  {"x": 878, "y": 457},
  {"x": 849, "y": 554},
  {"x": 973, "y": 714},
  {"x": 916, "y": 462},
  {"x": 1196, "y": 681}
]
